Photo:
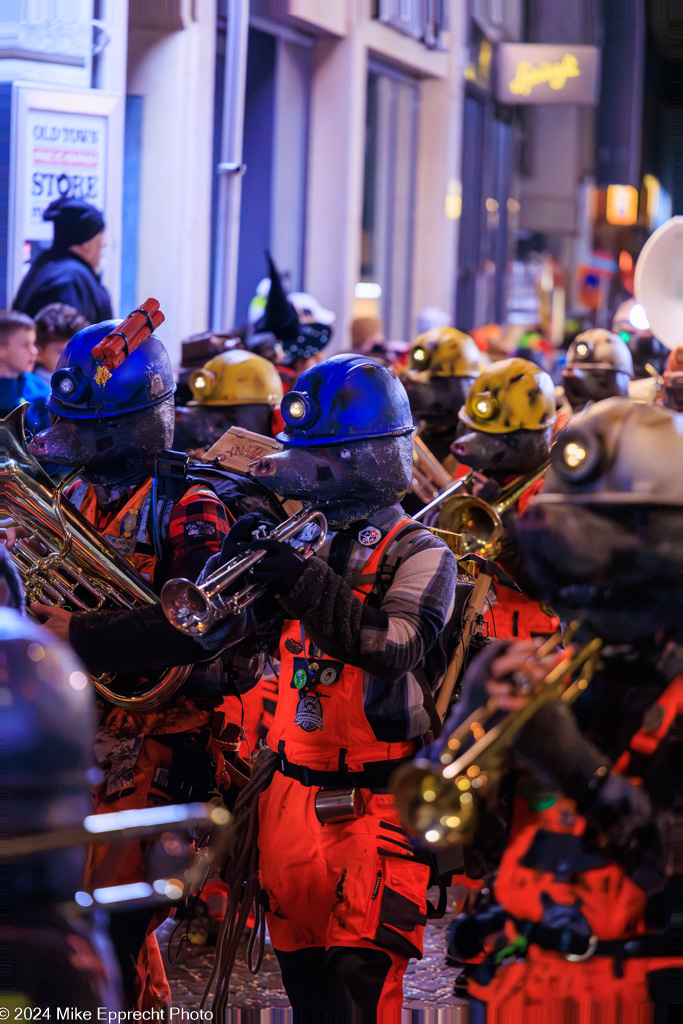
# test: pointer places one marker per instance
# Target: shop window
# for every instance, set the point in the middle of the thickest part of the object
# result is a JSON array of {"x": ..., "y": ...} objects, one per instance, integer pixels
[{"x": 389, "y": 197}]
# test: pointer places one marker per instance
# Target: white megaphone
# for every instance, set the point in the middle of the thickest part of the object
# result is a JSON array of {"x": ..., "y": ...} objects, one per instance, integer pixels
[{"x": 658, "y": 282}]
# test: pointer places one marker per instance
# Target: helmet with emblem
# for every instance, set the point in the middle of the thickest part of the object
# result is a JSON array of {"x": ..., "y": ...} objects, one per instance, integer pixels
[
  {"x": 237, "y": 378},
  {"x": 345, "y": 398},
  {"x": 83, "y": 389},
  {"x": 445, "y": 352},
  {"x": 510, "y": 395}
]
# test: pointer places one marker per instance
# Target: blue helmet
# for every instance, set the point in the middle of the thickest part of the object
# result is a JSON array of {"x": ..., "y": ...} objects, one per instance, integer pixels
[
  {"x": 83, "y": 389},
  {"x": 345, "y": 398}
]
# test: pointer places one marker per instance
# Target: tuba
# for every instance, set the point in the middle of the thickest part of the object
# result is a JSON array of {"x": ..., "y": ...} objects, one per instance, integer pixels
[{"x": 80, "y": 572}]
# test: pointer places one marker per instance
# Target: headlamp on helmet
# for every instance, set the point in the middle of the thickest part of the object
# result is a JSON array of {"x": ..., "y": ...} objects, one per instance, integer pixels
[
  {"x": 584, "y": 350},
  {"x": 420, "y": 358},
  {"x": 299, "y": 409},
  {"x": 202, "y": 383},
  {"x": 576, "y": 456},
  {"x": 484, "y": 405},
  {"x": 70, "y": 384}
]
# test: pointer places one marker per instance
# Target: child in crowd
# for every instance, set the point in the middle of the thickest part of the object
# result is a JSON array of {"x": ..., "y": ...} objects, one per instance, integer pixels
[
  {"x": 18, "y": 385},
  {"x": 56, "y": 323}
]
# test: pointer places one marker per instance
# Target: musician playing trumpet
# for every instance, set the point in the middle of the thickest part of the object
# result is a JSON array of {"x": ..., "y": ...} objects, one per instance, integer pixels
[
  {"x": 580, "y": 829},
  {"x": 508, "y": 417}
]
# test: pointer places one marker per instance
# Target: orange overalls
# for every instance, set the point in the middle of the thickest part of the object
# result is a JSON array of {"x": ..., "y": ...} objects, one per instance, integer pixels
[
  {"x": 346, "y": 901},
  {"x": 144, "y": 784},
  {"x": 605, "y": 985}
]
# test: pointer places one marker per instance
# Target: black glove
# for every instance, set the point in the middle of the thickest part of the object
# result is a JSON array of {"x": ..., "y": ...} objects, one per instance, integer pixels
[
  {"x": 240, "y": 535},
  {"x": 279, "y": 569},
  {"x": 554, "y": 749}
]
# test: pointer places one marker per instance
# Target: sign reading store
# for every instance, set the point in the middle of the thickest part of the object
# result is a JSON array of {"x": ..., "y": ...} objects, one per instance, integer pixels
[{"x": 540, "y": 73}]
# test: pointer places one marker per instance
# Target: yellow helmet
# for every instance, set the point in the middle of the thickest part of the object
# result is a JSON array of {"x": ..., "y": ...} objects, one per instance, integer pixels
[
  {"x": 236, "y": 378},
  {"x": 445, "y": 352},
  {"x": 510, "y": 395}
]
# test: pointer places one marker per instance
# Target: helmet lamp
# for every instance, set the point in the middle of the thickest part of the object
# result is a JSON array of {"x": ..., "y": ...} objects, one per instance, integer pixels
[
  {"x": 484, "y": 405},
  {"x": 70, "y": 384},
  {"x": 584, "y": 350},
  {"x": 420, "y": 357},
  {"x": 299, "y": 409},
  {"x": 202, "y": 383},
  {"x": 576, "y": 456}
]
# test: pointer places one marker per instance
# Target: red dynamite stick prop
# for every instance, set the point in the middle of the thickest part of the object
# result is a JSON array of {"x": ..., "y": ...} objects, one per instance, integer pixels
[{"x": 137, "y": 326}]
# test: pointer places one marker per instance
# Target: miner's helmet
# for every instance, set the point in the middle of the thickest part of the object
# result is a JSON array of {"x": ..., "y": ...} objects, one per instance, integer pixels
[
  {"x": 510, "y": 395},
  {"x": 345, "y": 398},
  {"x": 629, "y": 320},
  {"x": 618, "y": 452},
  {"x": 445, "y": 352},
  {"x": 599, "y": 349},
  {"x": 236, "y": 378},
  {"x": 84, "y": 389}
]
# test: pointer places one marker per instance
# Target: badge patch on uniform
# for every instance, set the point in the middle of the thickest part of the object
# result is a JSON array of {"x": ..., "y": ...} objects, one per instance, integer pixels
[
  {"x": 300, "y": 678},
  {"x": 309, "y": 712},
  {"x": 293, "y": 646},
  {"x": 200, "y": 528},
  {"x": 130, "y": 522},
  {"x": 369, "y": 536}
]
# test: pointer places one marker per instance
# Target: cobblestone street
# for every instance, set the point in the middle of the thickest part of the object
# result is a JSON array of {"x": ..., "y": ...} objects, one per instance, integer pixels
[{"x": 428, "y": 984}]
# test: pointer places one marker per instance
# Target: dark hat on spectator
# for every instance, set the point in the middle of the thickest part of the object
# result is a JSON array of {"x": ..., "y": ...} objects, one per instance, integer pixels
[{"x": 75, "y": 221}]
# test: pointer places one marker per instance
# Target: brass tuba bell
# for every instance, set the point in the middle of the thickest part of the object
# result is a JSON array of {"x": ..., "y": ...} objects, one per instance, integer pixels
[{"x": 80, "y": 572}]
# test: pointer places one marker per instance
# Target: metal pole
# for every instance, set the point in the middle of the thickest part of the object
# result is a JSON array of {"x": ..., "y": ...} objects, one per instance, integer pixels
[{"x": 230, "y": 168}]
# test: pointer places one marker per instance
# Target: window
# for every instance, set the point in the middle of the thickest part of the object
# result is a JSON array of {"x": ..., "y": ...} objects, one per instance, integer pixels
[{"x": 389, "y": 195}]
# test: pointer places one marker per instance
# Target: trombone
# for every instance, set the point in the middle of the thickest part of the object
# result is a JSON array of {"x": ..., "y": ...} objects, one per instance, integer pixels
[
  {"x": 439, "y": 802},
  {"x": 194, "y": 608}
]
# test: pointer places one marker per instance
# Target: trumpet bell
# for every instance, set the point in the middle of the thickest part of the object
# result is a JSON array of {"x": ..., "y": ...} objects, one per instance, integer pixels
[
  {"x": 477, "y": 523},
  {"x": 187, "y": 607}
]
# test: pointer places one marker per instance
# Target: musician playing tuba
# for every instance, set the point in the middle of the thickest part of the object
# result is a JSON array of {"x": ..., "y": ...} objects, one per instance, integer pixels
[
  {"x": 115, "y": 423},
  {"x": 585, "y": 881}
]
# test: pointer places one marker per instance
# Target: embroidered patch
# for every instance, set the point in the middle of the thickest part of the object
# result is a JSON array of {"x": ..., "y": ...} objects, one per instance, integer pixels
[
  {"x": 369, "y": 536},
  {"x": 102, "y": 375},
  {"x": 130, "y": 522},
  {"x": 200, "y": 528},
  {"x": 309, "y": 712},
  {"x": 293, "y": 646}
]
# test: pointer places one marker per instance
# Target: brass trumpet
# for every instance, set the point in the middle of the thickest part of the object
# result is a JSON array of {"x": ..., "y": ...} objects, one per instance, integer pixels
[
  {"x": 81, "y": 571},
  {"x": 440, "y": 804},
  {"x": 478, "y": 523},
  {"x": 194, "y": 608}
]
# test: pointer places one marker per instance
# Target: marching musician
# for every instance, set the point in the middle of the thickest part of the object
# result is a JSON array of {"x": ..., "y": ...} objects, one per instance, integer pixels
[
  {"x": 115, "y": 425},
  {"x": 510, "y": 412},
  {"x": 585, "y": 878},
  {"x": 361, "y": 649}
]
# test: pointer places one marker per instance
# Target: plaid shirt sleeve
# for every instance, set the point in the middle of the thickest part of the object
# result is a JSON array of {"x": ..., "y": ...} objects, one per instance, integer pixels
[{"x": 196, "y": 530}]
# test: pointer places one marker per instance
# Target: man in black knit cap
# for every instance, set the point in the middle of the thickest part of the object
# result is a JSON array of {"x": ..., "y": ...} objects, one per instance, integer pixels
[{"x": 68, "y": 271}]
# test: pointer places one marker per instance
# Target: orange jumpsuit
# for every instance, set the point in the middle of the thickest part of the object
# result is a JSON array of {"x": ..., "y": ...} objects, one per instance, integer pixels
[
  {"x": 608, "y": 984},
  {"x": 346, "y": 901}
]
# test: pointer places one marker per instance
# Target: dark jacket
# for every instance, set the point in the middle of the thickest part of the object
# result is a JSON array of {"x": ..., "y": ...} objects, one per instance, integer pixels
[{"x": 61, "y": 276}]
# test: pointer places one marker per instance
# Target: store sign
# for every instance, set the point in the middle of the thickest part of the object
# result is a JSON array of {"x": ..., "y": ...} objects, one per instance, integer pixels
[
  {"x": 66, "y": 155},
  {"x": 537, "y": 73}
]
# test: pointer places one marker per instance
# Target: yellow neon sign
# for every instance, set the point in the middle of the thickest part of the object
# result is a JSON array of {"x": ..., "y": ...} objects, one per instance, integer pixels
[{"x": 554, "y": 74}]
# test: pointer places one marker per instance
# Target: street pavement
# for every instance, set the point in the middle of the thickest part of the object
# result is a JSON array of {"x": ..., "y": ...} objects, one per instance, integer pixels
[{"x": 428, "y": 984}]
